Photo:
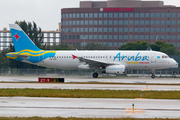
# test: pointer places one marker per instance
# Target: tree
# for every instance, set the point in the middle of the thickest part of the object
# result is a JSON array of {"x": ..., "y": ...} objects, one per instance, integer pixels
[
  {"x": 138, "y": 45},
  {"x": 32, "y": 31}
]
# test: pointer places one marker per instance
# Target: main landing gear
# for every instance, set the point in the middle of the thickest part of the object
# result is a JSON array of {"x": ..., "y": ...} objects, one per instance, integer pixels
[{"x": 95, "y": 75}]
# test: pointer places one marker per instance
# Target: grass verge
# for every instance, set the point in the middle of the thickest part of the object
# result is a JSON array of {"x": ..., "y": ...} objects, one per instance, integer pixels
[
  {"x": 60, "y": 118},
  {"x": 78, "y": 93}
]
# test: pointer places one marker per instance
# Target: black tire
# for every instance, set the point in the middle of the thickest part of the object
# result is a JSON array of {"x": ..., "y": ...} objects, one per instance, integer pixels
[
  {"x": 95, "y": 75},
  {"x": 153, "y": 76}
]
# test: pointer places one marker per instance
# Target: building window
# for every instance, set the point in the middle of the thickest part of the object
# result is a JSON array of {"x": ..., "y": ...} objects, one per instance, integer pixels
[
  {"x": 173, "y": 22},
  {"x": 115, "y": 15},
  {"x": 110, "y": 15},
  {"x": 120, "y": 43},
  {"x": 105, "y": 37},
  {"x": 157, "y": 15},
  {"x": 168, "y": 30},
  {"x": 86, "y": 29},
  {"x": 147, "y": 15},
  {"x": 168, "y": 37},
  {"x": 174, "y": 15},
  {"x": 105, "y": 22},
  {"x": 82, "y": 22},
  {"x": 178, "y": 22},
  {"x": 131, "y": 37},
  {"x": 100, "y": 22},
  {"x": 86, "y": 15},
  {"x": 126, "y": 37},
  {"x": 147, "y": 22},
  {"x": 66, "y": 15},
  {"x": 110, "y": 44},
  {"x": 100, "y": 37},
  {"x": 178, "y": 37},
  {"x": 115, "y": 44},
  {"x": 141, "y": 22},
  {"x": 131, "y": 22},
  {"x": 66, "y": 22},
  {"x": 126, "y": 15},
  {"x": 110, "y": 37},
  {"x": 90, "y": 15},
  {"x": 115, "y": 22},
  {"x": 136, "y": 15},
  {"x": 141, "y": 29},
  {"x": 162, "y": 29},
  {"x": 131, "y": 15},
  {"x": 100, "y": 15},
  {"x": 105, "y": 15},
  {"x": 163, "y": 22},
  {"x": 157, "y": 22},
  {"x": 95, "y": 29},
  {"x": 100, "y": 29},
  {"x": 110, "y": 30},
  {"x": 178, "y": 29},
  {"x": 125, "y": 29},
  {"x": 173, "y": 37},
  {"x": 136, "y": 22},
  {"x": 168, "y": 14},
  {"x": 74, "y": 15},
  {"x": 90, "y": 37},
  {"x": 110, "y": 22},
  {"x": 120, "y": 37},
  {"x": 168, "y": 22},
  {"x": 173, "y": 29},
  {"x": 130, "y": 29},
  {"x": 152, "y": 22},
  {"x": 82, "y": 15},
  {"x": 95, "y": 37},
  {"x": 115, "y": 29},
  {"x": 120, "y": 22},
  {"x": 136, "y": 37},
  {"x": 77, "y": 29},
  {"x": 178, "y": 14},
  {"x": 74, "y": 30},
  {"x": 146, "y": 37},
  {"x": 146, "y": 29},
  {"x": 105, "y": 29},
  {"x": 157, "y": 30},
  {"x": 86, "y": 22},
  {"x": 90, "y": 22},
  {"x": 120, "y": 29},
  {"x": 162, "y": 37},
  {"x": 152, "y": 37},
  {"x": 120, "y": 15},
  {"x": 141, "y": 37},
  {"x": 163, "y": 15},
  {"x": 82, "y": 29},
  {"x": 78, "y": 15},
  {"x": 125, "y": 22},
  {"x": 115, "y": 37},
  {"x": 95, "y": 22},
  {"x": 90, "y": 30},
  {"x": 136, "y": 29},
  {"x": 141, "y": 15},
  {"x": 95, "y": 15},
  {"x": 74, "y": 22},
  {"x": 152, "y": 15},
  {"x": 77, "y": 23},
  {"x": 151, "y": 29},
  {"x": 178, "y": 44}
]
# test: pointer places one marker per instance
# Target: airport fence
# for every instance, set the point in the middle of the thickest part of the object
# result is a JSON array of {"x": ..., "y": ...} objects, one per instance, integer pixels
[{"x": 60, "y": 72}]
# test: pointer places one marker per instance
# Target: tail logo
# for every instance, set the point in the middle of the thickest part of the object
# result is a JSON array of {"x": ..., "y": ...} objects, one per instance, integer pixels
[{"x": 16, "y": 36}]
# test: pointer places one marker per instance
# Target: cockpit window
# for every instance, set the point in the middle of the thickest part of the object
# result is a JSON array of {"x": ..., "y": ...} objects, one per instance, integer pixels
[{"x": 165, "y": 56}]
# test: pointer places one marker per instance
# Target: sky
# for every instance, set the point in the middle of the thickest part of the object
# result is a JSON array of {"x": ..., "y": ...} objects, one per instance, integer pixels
[{"x": 45, "y": 13}]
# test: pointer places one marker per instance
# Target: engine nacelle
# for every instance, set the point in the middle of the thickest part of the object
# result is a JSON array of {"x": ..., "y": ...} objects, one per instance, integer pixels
[{"x": 115, "y": 69}]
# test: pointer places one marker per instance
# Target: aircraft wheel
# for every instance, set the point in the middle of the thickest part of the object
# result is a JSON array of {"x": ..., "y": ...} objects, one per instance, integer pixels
[
  {"x": 95, "y": 75},
  {"x": 153, "y": 76}
]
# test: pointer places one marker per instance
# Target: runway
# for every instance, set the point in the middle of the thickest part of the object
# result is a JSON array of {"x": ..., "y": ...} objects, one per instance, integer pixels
[
  {"x": 68, "y": 79},
  {"x": 82, "y": 107},
  {"x": 91, "y": 86}
]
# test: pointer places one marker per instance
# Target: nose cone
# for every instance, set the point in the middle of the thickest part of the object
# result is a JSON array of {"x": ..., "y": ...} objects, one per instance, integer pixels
[{"x": 174, "y": 64}]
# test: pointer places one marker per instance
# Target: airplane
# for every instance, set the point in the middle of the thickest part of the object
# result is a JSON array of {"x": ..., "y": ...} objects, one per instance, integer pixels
[{"x": 111, "y": 62}]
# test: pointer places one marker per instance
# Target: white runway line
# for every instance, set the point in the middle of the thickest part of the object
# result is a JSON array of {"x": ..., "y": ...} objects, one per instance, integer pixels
[{"x": 87, "y": 107}]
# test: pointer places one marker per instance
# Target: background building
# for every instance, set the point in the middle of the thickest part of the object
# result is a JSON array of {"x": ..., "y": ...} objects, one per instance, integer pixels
[
  {"x": 116, "y": 22},
  {"x": 50, "y": 37}
]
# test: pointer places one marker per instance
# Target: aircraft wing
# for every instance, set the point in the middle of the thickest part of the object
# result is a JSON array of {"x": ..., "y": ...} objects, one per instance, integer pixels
[{"x": 94, "y": 63}]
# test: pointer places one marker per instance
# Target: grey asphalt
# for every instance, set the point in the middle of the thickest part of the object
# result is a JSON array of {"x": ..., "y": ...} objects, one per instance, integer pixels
[{"x": 88, "y": 107}]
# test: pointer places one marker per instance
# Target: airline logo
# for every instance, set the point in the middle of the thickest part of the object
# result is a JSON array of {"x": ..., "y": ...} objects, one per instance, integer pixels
[
  {"x": 131, "y": 58},
  {"x": 101, "y": 9},
  {"x": 16, "y": 36}
]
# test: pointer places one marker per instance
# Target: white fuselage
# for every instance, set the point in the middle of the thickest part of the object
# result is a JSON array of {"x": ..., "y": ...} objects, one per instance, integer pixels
[{"x": 131, "y": 59}]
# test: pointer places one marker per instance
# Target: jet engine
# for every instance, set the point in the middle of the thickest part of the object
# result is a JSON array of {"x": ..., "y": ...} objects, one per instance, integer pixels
[{"x": 114, "y": 69}]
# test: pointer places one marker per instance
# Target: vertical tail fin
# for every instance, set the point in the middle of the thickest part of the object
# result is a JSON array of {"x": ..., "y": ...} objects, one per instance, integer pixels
[{"x": 21, "y": 40}]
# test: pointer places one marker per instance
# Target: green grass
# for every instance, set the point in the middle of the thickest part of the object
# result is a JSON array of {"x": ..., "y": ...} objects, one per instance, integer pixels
[
  {"x": 60, "y": 118},
  {"x": 77, "y": 93}
]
